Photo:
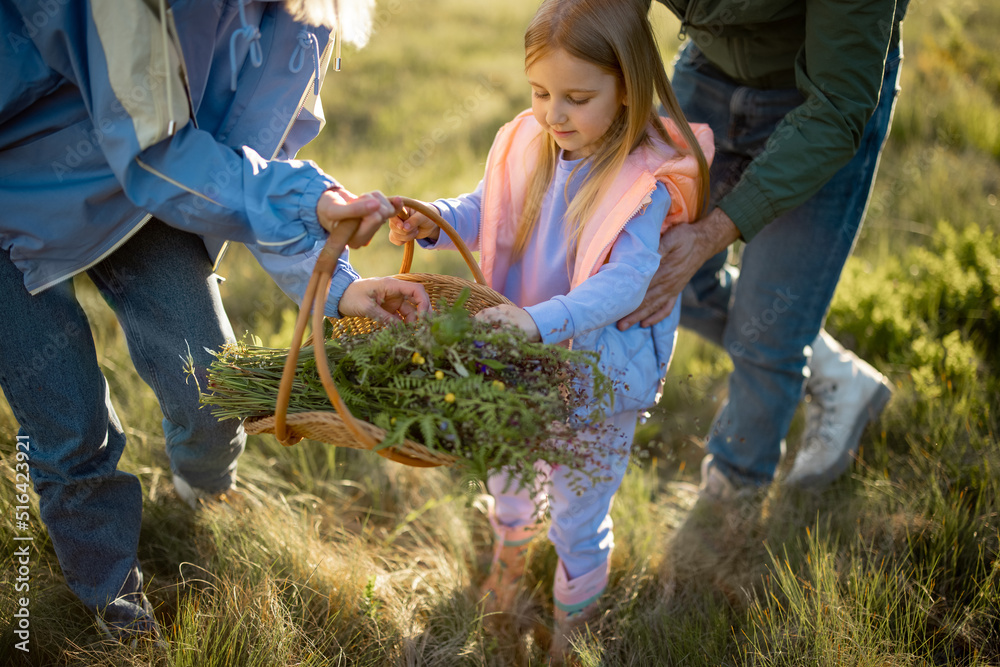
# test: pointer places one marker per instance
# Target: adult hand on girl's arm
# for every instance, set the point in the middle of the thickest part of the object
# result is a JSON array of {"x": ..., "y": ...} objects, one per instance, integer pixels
[
  {"x": 683, "y": 250},
  {"x": 514, "y": 316},
  {"x": 384, "y": 299}
]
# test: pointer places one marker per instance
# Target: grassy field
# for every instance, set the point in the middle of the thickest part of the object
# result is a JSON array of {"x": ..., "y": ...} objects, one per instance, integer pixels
[{"x": 344, "y": 559}]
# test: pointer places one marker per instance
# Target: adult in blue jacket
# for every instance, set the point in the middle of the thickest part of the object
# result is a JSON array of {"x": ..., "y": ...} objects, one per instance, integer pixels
[{"x": 136, "y": 139}]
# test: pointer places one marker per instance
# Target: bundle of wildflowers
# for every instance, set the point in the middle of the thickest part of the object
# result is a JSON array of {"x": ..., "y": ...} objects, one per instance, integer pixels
[{"x": 452, "y": 383}]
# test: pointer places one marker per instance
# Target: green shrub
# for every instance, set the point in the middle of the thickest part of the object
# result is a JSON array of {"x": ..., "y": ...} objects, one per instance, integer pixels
[{"x": 934, "y": 311}]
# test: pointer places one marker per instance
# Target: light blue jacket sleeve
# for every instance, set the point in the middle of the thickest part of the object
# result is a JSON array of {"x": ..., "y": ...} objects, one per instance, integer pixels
[
  {"x": 187, "y": 178},
  {"x": 464, "y": 214},
  {"x": 617, "y": 288},
  {"x": 292, "y": 274}
]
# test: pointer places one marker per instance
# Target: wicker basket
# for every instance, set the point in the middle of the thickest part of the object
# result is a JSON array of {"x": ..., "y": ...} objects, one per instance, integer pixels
[{"x": 338, "y": 426}]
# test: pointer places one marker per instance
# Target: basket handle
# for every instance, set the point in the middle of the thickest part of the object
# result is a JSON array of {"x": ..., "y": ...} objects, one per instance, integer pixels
[
  {"x": 436, "y": 218},
  {"x": 314, "y": 301}
]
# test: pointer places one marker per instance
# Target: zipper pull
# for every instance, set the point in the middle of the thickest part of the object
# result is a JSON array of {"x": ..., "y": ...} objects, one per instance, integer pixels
[
  {"x": 686, "y": 20},
  {"x": 336, "y": 48},
  {"x": 336, "y": 36}
]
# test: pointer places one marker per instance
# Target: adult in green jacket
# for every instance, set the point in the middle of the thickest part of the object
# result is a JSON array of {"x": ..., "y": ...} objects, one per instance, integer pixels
[{"x": 800, "y": 98}]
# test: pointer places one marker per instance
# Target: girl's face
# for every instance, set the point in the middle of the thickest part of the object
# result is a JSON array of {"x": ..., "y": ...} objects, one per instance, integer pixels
[{"x": 574, "y": 100}]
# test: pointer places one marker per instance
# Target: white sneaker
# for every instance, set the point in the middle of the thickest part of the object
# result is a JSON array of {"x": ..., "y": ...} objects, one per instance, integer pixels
[
  {"x": 196, "y": 497},
  {"x": 846, "y": 393}
]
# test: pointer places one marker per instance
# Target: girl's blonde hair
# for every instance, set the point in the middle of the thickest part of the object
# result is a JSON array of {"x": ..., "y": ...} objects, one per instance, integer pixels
[{"x": 614, "y": 35}]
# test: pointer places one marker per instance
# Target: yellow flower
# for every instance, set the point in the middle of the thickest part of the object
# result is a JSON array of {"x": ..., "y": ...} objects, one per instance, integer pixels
[
  {"x": 393, "y": 421},
  {"x": 449, "y": 397},
  {"x": 418, "y": 359},
  {"x": 439, "y": 375},
  {"x": 500, "y": 386}
]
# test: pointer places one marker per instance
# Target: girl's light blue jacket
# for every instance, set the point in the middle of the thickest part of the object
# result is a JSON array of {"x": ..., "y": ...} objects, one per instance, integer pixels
[
  {"x": 636, "y": 359},
  {"x": 113, "y": 111}
]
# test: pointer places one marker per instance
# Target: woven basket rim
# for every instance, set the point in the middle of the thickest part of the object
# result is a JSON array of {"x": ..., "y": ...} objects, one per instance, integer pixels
[{"x": 300, "y": 422}]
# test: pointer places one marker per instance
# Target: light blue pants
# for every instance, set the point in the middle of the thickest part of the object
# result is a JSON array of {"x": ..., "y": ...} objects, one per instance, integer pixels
[
  {"x": 768, "y": 311},
  {"x": 161, "y": 287},
  {"x": 581, "y": 528}
]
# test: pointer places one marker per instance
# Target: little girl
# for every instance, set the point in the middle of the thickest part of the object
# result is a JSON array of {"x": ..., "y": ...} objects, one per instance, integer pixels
[{"x": 567, "y": 220}]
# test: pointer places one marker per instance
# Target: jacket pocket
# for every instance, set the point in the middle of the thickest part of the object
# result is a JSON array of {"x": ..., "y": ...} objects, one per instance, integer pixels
[
  {"x": 56, "y": 157},
  {"x": 628, "y": 358}
]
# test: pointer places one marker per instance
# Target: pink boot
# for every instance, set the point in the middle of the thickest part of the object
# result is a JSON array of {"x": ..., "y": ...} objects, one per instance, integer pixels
[
  {"x": 509, "y": 560},
  {"x": 577, "y": 605}
]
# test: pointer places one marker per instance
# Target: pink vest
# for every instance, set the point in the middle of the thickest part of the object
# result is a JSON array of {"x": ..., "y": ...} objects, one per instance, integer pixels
[{"x": 512, "y": 159}]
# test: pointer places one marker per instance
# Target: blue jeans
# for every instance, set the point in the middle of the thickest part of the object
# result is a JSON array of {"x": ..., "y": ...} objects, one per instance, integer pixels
[
  {"x": 768, "y": 311},
  {"x": 581, "y": 528},
  {"x": 161, "y": 287}
]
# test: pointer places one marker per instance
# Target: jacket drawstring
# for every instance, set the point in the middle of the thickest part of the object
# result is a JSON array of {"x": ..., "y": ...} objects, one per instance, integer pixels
[
  {"x": 252, "y": 35},
  {"x": 338, "y": 33},
  {"x": 171, "y": 123},
  {"x": 307, "y": 40}
]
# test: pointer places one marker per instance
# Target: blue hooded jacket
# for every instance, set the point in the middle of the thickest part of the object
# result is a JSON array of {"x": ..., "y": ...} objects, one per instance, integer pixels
[{"x": 113, "y": 111}]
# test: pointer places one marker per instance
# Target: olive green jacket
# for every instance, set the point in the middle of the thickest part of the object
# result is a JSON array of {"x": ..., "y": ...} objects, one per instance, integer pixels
[{"x": 833, "y": 51}]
